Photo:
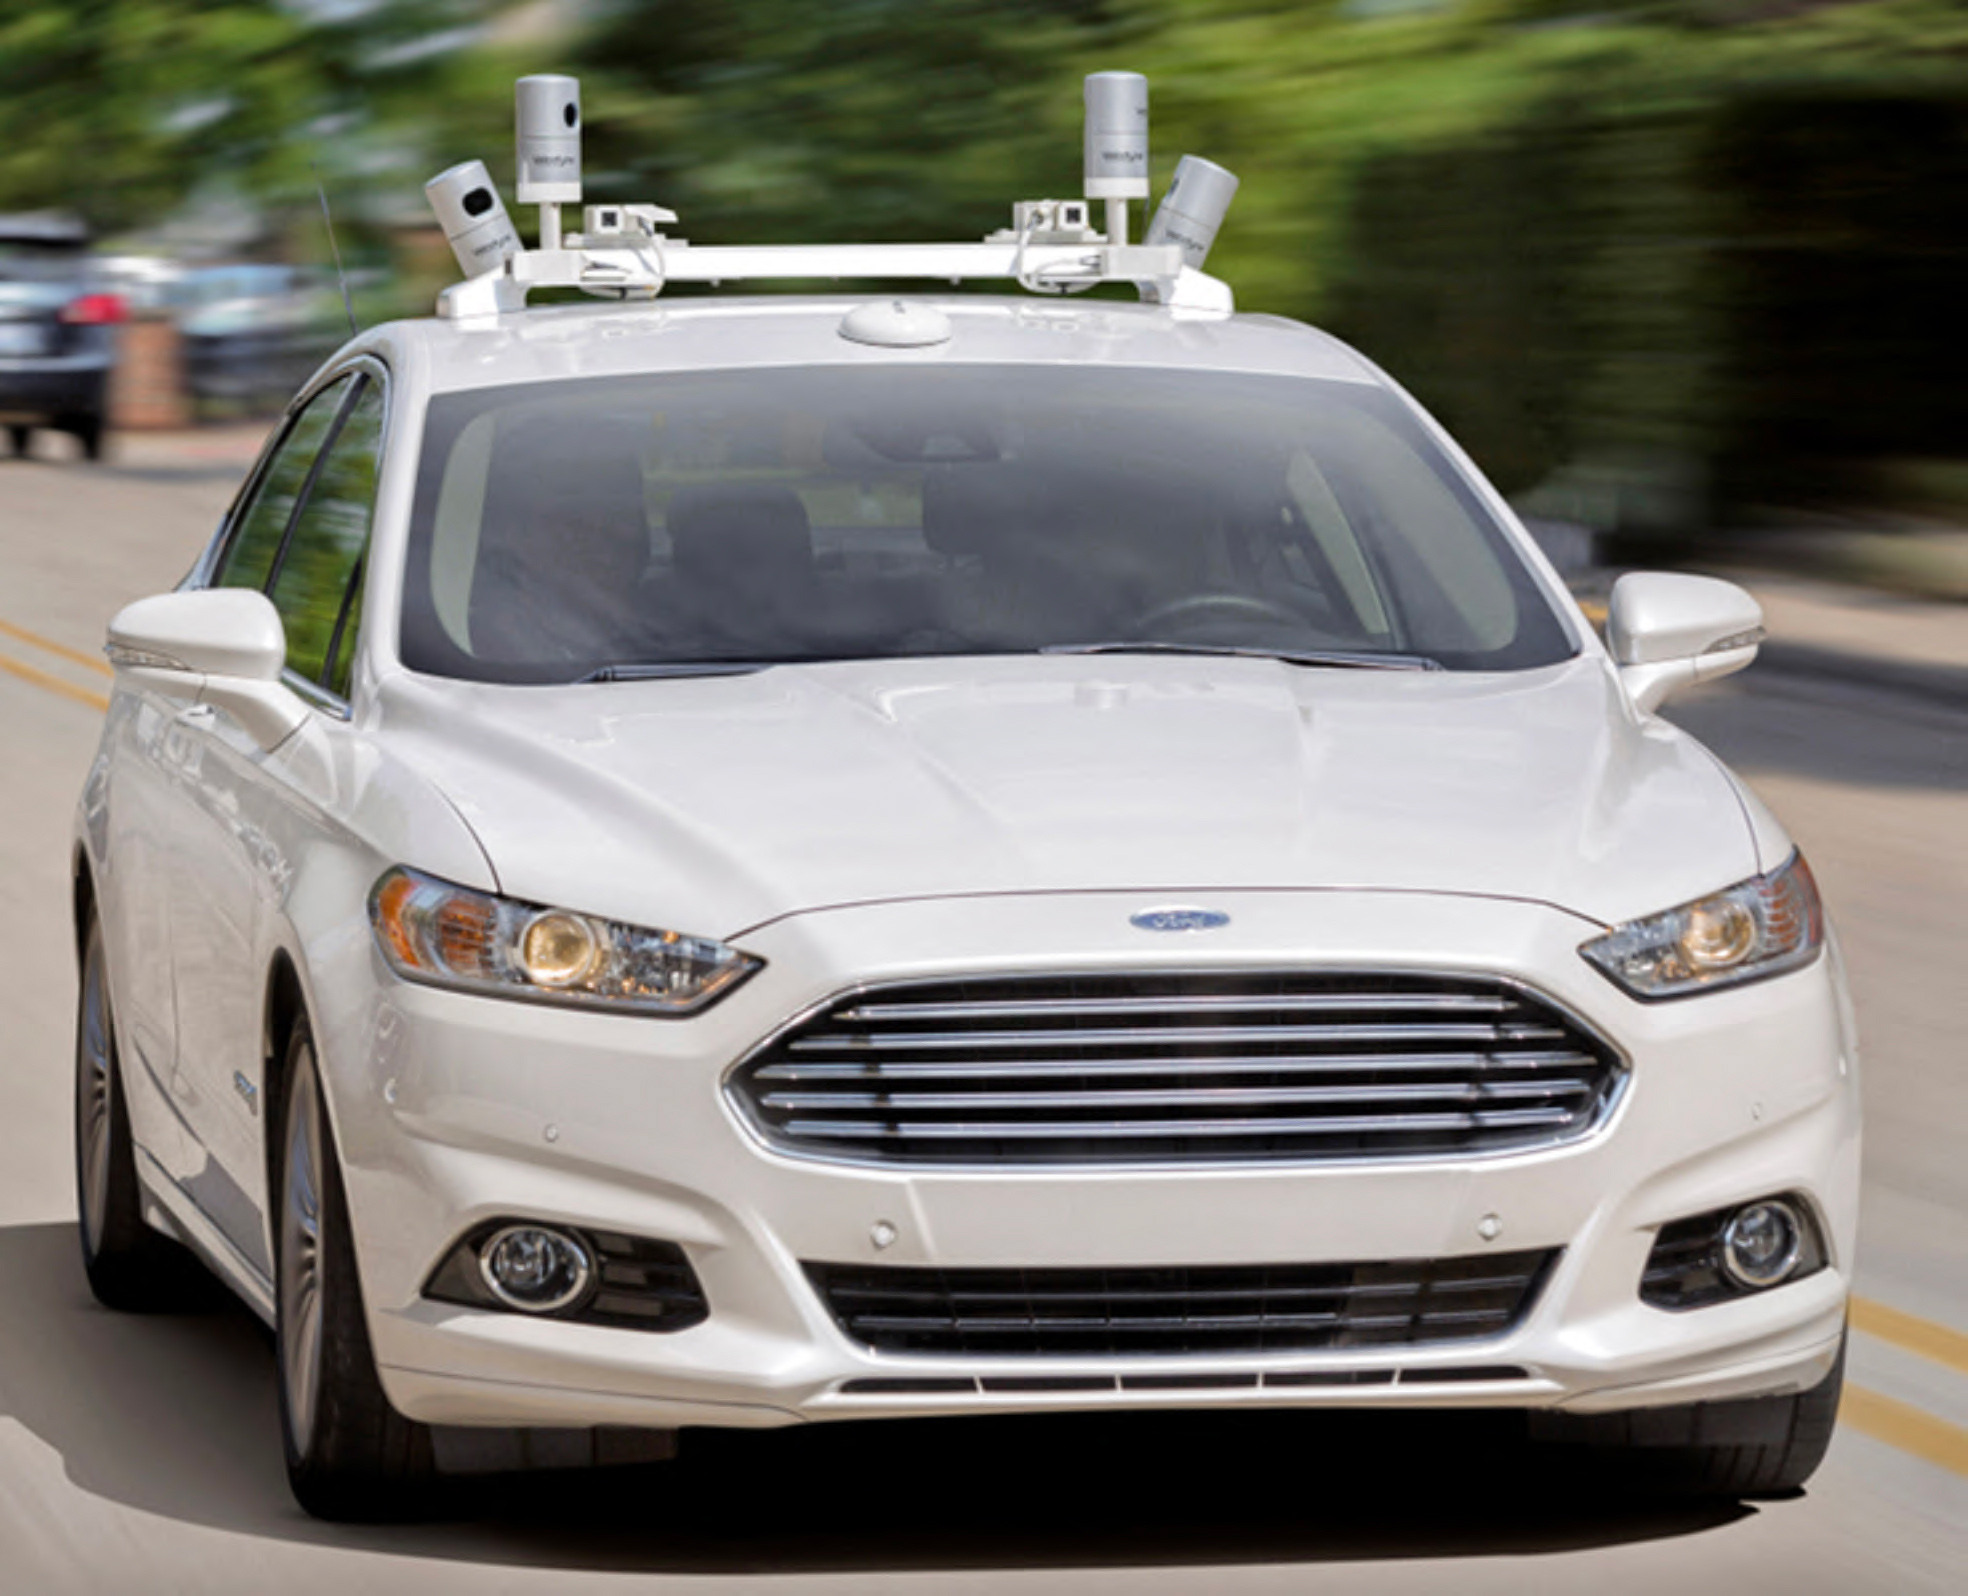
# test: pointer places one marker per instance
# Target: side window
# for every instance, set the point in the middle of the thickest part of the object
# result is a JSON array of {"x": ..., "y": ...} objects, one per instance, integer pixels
[
  {"x": 248, "y": 559},
  {"x": 318, "y": 576}
]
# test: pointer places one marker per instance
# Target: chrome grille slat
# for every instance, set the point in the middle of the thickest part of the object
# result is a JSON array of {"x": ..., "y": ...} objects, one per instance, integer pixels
[
  {"x": 1156, "y": 1067},
  {"x": 1187, "y": 1035},
  {"x": 875, "y": 1070},
  {"x": 1304, "y": 1002},
  {"x": 981, "y": 1130},
  {"x": 1079, "y": 1312},
  {"x": 1204, "y": 1097}
]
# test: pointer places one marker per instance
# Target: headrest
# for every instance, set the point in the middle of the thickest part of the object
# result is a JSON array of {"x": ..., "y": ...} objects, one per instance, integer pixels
[
  {"x": 739, "y": 534},
  {"x": 970, "y": 509}
]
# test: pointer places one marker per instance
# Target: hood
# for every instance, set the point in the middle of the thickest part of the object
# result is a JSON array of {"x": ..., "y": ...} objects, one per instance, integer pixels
[{"x": 712, "y": 805}]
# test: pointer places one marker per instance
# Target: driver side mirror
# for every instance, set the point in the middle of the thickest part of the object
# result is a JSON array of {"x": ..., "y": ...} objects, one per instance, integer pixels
[
  {"x": 1668, "y": 632},
  {"x": 220, "y": 646}
]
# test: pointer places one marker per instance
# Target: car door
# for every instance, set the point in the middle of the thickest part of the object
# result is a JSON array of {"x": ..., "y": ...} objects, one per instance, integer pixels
[
  {"x": 148, "y": 776},
  {"x": 237, "y": 846}
]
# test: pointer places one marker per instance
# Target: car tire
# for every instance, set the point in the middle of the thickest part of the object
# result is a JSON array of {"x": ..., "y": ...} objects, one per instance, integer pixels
[
  {"x": 22, "y": 439},
  {"x": 351, "y": 1457},
  {"x": 1758, "y": 1447},
  {"x": 130, "y": 1266},
  {"x": 90, "y": 433}
]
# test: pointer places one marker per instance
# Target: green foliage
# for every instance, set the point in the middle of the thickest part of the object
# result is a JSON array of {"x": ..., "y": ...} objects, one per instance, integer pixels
[
  {"x": 1660, "y": 262},
  {"x": 861, "y": 119},
  {"x": 121, "y": 109}
]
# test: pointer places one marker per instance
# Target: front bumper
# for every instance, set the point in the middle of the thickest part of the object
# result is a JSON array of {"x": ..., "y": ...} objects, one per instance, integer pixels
[{"x": 453, "y": 1109}]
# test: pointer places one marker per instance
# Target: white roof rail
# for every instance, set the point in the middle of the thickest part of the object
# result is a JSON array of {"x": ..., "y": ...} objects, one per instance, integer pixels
[{"x": 1156, "y": 270}]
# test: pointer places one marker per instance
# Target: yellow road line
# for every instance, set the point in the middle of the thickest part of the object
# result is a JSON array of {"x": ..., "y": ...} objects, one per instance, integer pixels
[
  {"x": 73, "y": 655},
  {"x": 1907, "y": 1428},
  {"x": 1911, "y": 1332},
  {"x": 53, "y": 684}
]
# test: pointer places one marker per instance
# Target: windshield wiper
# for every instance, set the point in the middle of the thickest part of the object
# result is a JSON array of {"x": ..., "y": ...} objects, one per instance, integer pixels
[
  {"x": 1335, "y": 659},
  {"x": 658, "y": 670}
]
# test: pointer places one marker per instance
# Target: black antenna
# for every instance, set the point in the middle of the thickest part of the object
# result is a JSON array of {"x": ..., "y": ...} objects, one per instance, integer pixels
[{"x": 334, "y": 249}]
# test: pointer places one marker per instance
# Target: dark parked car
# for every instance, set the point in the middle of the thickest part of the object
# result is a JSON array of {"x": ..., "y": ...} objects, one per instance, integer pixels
[
  {"x": 56, "y": 331},
  {"x": 254, "y": 332}
]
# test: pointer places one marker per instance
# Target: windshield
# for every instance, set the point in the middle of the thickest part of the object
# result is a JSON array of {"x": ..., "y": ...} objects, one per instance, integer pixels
[
  {"x": 33, "y": 260},
  {"x": 620, "y": 526}
]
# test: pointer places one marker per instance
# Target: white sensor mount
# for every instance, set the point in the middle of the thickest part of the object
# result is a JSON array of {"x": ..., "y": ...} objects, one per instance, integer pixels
[
  {"x": 1116, "y": 135},
  {"x": 627, "y": 252},
  {"x": 473, "y": 217}
]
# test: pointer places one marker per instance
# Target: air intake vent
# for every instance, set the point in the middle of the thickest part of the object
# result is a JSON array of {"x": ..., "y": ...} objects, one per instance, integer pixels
[
  {"x": 1161, "y": 1068},
  {"x": 1176, "y": 1311}
]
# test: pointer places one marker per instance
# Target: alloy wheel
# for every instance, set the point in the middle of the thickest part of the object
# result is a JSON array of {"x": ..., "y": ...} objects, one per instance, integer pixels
[
  {"x": 300, "y": 1257},
  {"x": 94, "y": 1079}
]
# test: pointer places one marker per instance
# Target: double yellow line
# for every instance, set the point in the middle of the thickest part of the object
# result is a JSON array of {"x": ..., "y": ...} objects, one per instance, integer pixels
[
  {"x": 1883, "y": 1418},
  {"x": 44, "y": 679},
  {"x": 1900, "y": 1424}
]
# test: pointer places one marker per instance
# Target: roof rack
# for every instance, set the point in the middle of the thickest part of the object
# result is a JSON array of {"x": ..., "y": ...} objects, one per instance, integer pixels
[{"x": 622, "y": 252}]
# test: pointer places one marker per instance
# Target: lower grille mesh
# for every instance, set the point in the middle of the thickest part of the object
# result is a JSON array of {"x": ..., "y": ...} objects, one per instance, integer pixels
[
  {"x": 1161, "y": 1067},
  {"x": 1154, "y": 1312}
]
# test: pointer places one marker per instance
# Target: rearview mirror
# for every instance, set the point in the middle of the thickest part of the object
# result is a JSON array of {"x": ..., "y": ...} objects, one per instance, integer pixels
[
  {"x": 219, "y": 646},
  {"x": 1668, "y": 631}
]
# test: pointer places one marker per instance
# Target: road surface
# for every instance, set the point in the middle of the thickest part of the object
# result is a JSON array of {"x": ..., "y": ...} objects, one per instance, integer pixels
[{"x": 142, "y": 1454}]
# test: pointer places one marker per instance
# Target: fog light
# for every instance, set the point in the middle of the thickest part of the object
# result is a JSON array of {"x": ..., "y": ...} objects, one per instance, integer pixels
[
  {"x": 1761, "y": 1244},
  {"x": 1731, "y": 1252},
  {"x": 534, "y": 1269}
]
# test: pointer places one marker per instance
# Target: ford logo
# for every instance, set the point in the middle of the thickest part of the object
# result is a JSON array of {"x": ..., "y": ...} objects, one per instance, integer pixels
[{"x": 1179, "y": 919}]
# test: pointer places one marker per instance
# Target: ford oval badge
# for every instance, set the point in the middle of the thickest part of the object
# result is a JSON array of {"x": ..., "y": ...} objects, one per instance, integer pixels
[{"x": 1176, "y": 919}]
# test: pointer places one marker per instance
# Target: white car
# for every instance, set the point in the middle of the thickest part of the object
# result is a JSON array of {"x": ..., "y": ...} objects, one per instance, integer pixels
[{"x": 679, "y": 865}]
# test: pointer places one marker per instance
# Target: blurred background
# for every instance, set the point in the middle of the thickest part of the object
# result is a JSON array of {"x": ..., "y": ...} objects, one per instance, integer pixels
[{"x": 1682, "y": 272}]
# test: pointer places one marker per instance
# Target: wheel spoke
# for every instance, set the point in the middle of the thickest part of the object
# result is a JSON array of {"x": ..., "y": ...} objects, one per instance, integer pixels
[
  {"x": 300, "y": 1260},
  {"x": 94, "y": 1075}
]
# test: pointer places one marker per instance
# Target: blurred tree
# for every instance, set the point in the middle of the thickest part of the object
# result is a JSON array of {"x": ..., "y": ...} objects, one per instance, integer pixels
[
  {"x": 119, "y": 109},
  {"x": 861, "y": 119}
]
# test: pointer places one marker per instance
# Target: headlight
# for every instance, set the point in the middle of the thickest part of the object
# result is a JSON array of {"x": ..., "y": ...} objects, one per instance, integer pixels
[
  {"x": 1761, "y": 927},
  {"x": 434, "y": 932}
]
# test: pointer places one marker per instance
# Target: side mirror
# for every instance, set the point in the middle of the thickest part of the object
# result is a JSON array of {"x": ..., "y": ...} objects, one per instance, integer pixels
[
  {"x": 1667, "y": 632},
  {"x": 219, "y": 646}
]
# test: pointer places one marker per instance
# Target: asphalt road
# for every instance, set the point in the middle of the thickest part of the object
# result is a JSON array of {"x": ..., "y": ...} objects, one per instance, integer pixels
[{"x": 142, "y": 1454}]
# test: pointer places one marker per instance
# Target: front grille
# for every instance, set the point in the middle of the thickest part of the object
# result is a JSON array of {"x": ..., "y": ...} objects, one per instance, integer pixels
[
  {"x": 1153, "y": 1068},
  {"x": 1174, "y": 1311}
]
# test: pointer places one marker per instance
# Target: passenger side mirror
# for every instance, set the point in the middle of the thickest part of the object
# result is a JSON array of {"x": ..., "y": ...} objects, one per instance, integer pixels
[
  {"x": 1667, "y": 632},
  {"x": 220, "y": 646}
]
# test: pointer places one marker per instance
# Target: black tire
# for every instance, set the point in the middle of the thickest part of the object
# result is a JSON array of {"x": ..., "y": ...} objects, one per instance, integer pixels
[
  {"x": 90, "y": 433},
  {"x": 22, "y": 439},
  {"x": 1759, "y": 1447},
  {"x": 130, "y": 1266},
  {"x": 351, "y": 1457}
]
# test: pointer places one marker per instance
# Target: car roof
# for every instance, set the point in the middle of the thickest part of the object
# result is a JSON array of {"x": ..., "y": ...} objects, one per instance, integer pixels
[
  {"x": 555, "y": 342},
  {"x": 43, "y": 227}
]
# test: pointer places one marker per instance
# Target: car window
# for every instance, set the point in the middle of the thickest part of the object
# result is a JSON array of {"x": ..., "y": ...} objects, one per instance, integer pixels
[
  {"x": 31, "y": 260},
  {"x": 750, "y": 517},
  {"x": 318, "y": 570},
  {"x": 248, "y": 558}
]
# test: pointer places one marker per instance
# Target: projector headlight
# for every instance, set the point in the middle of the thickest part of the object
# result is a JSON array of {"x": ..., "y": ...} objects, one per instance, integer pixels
[
  {"x": 1758, "y": 928},
  {"x": 443, "y": 935}
]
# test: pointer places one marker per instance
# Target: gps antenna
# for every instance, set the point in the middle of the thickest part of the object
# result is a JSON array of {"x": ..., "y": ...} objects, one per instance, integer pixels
[{"x": 335, "y": 249}]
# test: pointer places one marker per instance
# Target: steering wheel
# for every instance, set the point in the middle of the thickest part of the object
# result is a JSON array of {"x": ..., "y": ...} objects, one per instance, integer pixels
[{"x": 1228, "y": 605}]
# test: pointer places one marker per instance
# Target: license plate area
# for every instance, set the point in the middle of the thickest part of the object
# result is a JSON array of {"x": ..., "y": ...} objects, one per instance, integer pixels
[{"x": 19, "y": 339}]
